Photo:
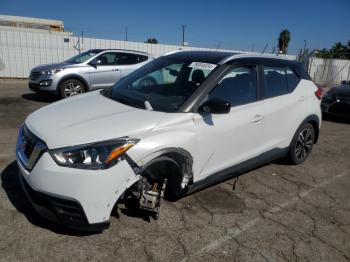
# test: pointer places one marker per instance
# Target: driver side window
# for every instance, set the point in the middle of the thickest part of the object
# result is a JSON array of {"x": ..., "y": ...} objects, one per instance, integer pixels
[{"x": 239, "y": 86}]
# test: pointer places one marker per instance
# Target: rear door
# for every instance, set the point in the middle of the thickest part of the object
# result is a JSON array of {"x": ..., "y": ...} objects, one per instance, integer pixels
[
  {"x": 127, "y": 62},
  {"x": 284, "y": 107},
  {"x": 107, "y": 73}
]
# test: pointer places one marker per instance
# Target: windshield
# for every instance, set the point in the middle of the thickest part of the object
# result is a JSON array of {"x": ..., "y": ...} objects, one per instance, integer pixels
[
  {"x": 162, "y": 85},
  {"x": 82, "y": 57}
]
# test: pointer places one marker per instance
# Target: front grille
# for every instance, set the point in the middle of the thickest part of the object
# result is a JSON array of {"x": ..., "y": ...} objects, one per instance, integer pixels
[
  {"x": 29, "y": 148},
  {"x": 34, "y": 75},
  {"x": 28, "y": 145}
]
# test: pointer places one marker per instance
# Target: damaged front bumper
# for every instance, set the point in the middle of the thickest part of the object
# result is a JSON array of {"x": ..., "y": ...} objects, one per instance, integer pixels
[{"x": 80, "y": 199}]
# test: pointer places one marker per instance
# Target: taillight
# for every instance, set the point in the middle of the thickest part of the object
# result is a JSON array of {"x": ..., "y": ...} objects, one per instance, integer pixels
[{"x": 318, "y": 93}]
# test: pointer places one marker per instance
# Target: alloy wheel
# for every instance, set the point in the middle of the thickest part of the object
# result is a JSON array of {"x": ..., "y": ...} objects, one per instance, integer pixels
[
  {"x": 72, "y": 89},
  {"x": 304, "y": 144}
]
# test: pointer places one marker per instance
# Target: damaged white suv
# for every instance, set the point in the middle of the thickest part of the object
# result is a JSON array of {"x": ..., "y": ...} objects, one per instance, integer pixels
[{"x": 204, "y": 117}]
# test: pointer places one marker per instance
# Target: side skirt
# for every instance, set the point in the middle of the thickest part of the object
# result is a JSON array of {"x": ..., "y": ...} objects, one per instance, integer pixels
[{"x": 238, "y": 169}]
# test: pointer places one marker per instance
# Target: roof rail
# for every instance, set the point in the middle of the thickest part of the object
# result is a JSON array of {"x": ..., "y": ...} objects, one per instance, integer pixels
[
  {"x": 243, "y": 55},
  {"x": 173, "y": 52}
]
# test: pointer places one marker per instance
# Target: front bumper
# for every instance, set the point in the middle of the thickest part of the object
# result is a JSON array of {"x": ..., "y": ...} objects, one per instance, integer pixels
[
  {"x": 60, "y": 210},
  {"x": 80, "y": 199},
  {"x": 34, "y": 83}
]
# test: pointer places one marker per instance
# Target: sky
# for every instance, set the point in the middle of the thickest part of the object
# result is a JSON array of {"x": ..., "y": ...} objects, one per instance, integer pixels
[{"x": 238, "y": 25}]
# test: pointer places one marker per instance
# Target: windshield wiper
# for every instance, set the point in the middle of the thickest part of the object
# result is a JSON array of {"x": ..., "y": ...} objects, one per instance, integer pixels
[{"x": 148, "y": 106}]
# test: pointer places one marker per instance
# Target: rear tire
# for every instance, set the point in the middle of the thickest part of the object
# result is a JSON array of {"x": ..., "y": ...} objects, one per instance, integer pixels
[
  {"x": 302, "y": 144},
  {"x": 71, "y": 87}
]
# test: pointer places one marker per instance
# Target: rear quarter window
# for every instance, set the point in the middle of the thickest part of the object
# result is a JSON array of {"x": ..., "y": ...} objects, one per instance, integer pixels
[
  {"x": 275, "y": 81},
  {"x": 292, "y": 79}
]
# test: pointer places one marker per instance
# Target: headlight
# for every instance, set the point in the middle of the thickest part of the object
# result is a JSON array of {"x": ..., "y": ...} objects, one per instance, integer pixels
[
  {"x": 51, "y": 71},
  {"x": 93, "y": 156}
]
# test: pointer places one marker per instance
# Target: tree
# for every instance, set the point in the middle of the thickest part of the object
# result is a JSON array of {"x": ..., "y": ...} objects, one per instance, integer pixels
[
  {"x": 283, "y": 41},
  {"x": 338, "y": 50},
  {"x": 152, "y": 40}
]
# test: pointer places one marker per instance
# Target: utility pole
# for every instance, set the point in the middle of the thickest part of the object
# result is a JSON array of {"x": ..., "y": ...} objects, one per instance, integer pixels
[
  {"x": 183, "y": 34},
  {"x": 126, "y": 33}
]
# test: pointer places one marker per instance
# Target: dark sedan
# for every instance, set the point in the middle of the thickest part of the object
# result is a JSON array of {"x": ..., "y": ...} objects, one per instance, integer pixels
[{"x": 337, "y": 101}]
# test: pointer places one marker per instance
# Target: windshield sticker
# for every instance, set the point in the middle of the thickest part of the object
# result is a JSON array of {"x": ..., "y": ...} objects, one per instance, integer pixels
[{"x": 201, "y": 65}]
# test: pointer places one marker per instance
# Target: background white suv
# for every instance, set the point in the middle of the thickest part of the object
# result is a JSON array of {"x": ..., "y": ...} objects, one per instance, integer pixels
[{"x": 210, "y": 116}]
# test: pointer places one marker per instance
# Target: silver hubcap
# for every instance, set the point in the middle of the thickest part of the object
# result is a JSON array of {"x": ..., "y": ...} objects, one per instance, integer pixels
[
  {"x": 72, "y": 89},
  {"x": 304, "y": 144}
]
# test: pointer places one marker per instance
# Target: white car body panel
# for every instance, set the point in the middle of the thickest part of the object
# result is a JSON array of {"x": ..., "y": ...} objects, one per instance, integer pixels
[
  {"x": 94, "y": 117},
  {"x": 95, "y": 191}
]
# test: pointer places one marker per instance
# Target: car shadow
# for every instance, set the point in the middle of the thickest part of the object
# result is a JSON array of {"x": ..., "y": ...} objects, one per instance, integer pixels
[
  {"x": 11, "y": 184},
  {"x": 38, "y": 97},
  {"x": 336, "y": 119}
]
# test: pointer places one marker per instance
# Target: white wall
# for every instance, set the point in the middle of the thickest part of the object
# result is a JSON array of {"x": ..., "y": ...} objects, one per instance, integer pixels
[
  {"x": 20, "y": 51},
  {"x": 329, "y": 72}
]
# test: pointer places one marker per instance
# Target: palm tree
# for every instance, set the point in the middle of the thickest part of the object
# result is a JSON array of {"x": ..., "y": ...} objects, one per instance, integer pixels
[
  {"x": 283, "y": 41},
  {"x": 152, "y": 40}
]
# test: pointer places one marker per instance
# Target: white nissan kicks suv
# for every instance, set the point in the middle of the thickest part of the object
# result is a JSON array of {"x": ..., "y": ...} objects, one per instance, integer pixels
[{"x": 209, "y": 116}]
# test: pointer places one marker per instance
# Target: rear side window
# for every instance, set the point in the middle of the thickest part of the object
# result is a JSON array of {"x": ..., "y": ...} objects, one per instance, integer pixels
[
  {"x": 292, "y": 79},
  {"x": 239, "y": 86},
  {"x": 275, "y": 81},
  {"x": 130, "y": 59}
]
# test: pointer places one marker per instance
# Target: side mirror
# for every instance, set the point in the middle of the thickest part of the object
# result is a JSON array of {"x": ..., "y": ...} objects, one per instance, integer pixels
[
  {"x": 216, "y": 106},
  {"x": 95, "y": 62}
]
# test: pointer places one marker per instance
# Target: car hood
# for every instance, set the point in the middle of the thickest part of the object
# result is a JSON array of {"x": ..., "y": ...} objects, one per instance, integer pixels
[
  {"x": 89, "y": 118},
  {"x": 53, "y": 66},
  {"x": 343, "y": 91}
]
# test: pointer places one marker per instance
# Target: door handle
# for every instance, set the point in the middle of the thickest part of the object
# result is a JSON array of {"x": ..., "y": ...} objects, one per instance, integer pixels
[
  {"x": 302, "y": 99},
  {"x": 257, "y": 118},
  {"x": 115, "y": 69}
]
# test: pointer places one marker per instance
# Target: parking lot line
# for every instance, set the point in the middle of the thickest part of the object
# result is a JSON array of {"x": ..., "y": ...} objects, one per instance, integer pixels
[{"x": 234, "y": 232}]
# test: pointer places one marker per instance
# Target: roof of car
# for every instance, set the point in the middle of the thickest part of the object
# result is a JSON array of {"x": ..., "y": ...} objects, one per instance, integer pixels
[
  {"x": 122, "y": 50},
  {"x": 222, "y": 57},
  {"x": 213, "y": 57}
]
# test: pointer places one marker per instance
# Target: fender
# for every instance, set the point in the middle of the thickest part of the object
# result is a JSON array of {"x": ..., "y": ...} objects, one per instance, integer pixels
[{"x": 180, "y": 145}]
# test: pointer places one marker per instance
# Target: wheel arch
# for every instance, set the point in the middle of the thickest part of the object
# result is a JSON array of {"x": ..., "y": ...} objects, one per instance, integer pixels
[
  {"x": 315, "y": 122},
  {"x": 180, "y": 155},
  {"x": 73, "y": 76}
]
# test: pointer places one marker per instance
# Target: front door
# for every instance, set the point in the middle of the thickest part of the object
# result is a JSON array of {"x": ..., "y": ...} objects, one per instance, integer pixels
[
  {"x": 106, "y": 73},
  {"x": 225, "y": 140}
]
